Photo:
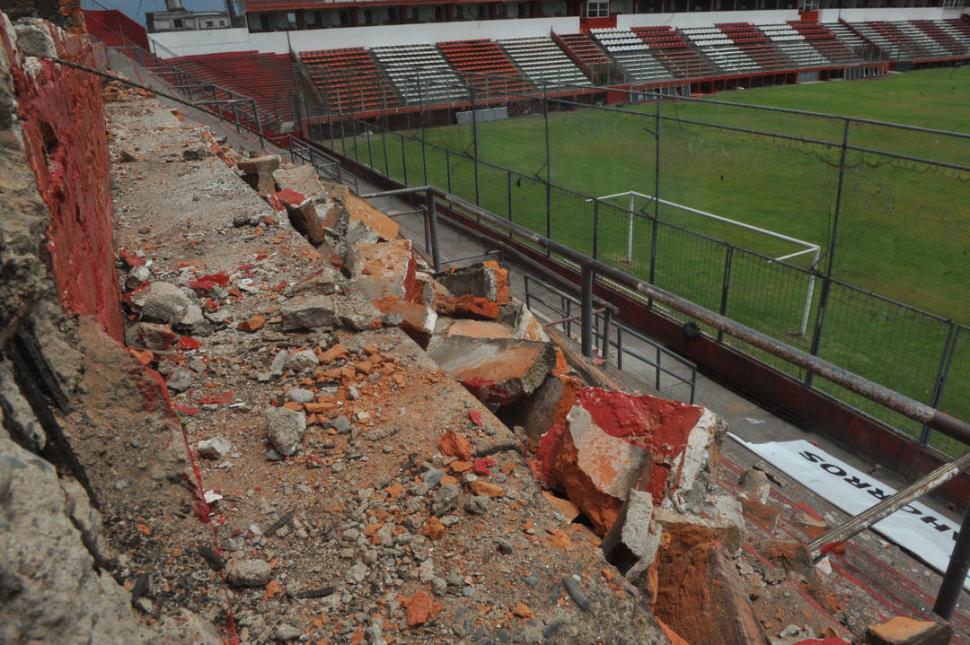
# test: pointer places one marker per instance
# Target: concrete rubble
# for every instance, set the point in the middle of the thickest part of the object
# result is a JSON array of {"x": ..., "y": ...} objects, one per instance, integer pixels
[{"x": 310, "y": 435}]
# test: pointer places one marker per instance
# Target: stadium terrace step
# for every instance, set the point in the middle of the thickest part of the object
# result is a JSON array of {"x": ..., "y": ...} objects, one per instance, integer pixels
[
  {"x": 675, "y": 52},
  {"x": 268, "y": 78},
  {"x": 484, "y": 66},
  {"x": 543, "y": 62},
  {"x": 349, "y": 80},
  {"x": 795, "y": 46},
  {"x": 720, "y": 49},
  {"x": 757, "y": 46},
  {"x": 587, "y": 54},
  {"x": 421, "y": 74},
  {"x": 823, "y": 39},
  {"x": 633, "y": 55},
  {"x": 936, "y": 29}
]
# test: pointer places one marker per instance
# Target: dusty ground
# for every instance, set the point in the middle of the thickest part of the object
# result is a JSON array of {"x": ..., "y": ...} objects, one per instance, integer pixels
[{"x": 366, "y": 528}]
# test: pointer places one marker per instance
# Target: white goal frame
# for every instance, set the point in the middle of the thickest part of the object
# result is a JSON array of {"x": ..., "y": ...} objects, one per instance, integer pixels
[{"x": 806, "y": 247}]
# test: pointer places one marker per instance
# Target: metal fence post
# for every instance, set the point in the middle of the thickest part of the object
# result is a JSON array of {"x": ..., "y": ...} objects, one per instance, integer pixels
[
  {"x": 387, "y": 164},
  {"x": 596, "y": 227},
  {"x": 404, "y": 159},
  {"x": 424, "y": 143},
  {"x": 725, "y": 286},
  {"x": 475, "y": 144},
  {"x": 353, "y": 133},
  {"x": 823, "y": 303},
  {"x": 448, "y": 168},
  {"x": 508, "y": 190},
  {"x": 956, "y": 572},
  {"x": 433, "y": 217},
  {"x": 833, "y": 235},
  {"x": 586, "y": 332},
  {"x": 605, "y": 346},
  {"x": 946, "y": 359},
  {"x": 545, "y": 117},
  {"x": 654, "y": 233}
]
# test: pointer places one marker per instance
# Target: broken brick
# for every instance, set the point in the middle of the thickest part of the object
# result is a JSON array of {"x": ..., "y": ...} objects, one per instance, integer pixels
[
  {"x": 252, "y": 324},
  {"x": 453, "y": 444}
]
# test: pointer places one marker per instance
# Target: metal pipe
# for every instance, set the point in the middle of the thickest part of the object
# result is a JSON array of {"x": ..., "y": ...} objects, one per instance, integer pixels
[
  {"x": 890, "y": 505},
  {"x": 586, "y": 333},
  {"x": 936, "y": 419},
  {"x": 433, "y": 217},
  {"x": 956, "y": 572}
]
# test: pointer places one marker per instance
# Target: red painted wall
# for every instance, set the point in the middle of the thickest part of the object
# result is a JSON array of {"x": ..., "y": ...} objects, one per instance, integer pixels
[{"x": 62, "y": 120}]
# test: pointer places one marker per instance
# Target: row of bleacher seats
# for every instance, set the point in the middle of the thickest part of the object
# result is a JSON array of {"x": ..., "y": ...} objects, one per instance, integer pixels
[
  {"x": 385, "y": 77},
  {"x": 632, "y": 54},
  {"x": 485, "y": 67},
  {"x": 421, "y": 74},
  {"x": 267, "y": 78},
  {"x": 543, "y": 62}
]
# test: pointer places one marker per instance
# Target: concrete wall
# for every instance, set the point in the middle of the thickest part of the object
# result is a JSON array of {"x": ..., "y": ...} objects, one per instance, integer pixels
[
  {"x": 65, "y": 145},
  {"x": 907, "y": 13},
  {"x": 280, "y": 42},
  {"x": 703, "y": 18}
]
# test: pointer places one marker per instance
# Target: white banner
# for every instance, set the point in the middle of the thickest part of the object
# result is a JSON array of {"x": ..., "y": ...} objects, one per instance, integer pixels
[{"x": 915, "y": 527}]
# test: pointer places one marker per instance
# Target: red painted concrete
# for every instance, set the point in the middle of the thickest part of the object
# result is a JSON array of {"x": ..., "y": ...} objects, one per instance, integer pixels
[{"x": 62, "y": 120}]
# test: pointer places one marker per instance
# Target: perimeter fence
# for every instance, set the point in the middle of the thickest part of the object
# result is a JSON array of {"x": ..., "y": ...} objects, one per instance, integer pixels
[{"x": 848, "y": 220}]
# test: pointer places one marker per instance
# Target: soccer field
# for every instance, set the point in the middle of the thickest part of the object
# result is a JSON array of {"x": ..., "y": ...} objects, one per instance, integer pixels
[{"x": 904, "y": 228}]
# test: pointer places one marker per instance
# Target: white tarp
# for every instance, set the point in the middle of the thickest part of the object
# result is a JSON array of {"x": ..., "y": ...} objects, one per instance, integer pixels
[{"x": 916, "y": 527}]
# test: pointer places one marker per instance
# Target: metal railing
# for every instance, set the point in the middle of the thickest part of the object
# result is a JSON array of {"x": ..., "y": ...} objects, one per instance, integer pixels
[
  {"x": 591, "y": 268},
  {"x": 610, "y": 333},
  {"x": 322, "y": 163}
]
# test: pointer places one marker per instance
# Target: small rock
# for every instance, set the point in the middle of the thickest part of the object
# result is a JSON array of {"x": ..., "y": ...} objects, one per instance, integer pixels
[
  {"x": 504, "y": 546},
  {"x": 285, "y": 429},
  {"x": 179, "y": 380},
  {"x": 163, "y": 302},
  {"x": 214, "y": 448},
  {"x": 285, "y": 633},
  {"x": 248, "y": 573},
  {"x": 476, "y": 505},
  {"x": 341, "y": 424},
  {"x": 299, "y": 395},
  {"x": 302, "y": 360},
  {"x": 444, "y": 499},
  {"x": 576, "y": 593},
  {"x": 358, "y": 573}
]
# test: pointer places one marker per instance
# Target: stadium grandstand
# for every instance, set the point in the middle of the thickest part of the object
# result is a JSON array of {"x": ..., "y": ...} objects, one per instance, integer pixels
[{"x": 304, "y": 61}]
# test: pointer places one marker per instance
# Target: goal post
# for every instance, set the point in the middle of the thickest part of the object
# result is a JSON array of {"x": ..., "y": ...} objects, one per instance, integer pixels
[{"x": 805, "y": 247}]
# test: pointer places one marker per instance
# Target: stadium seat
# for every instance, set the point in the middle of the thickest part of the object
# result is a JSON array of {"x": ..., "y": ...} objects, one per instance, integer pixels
[
  {"x": 484, "y": 66},
  {"x": 824, "y": 40},
  {"x": 421, "y": 74},
  {"x": 633, "y": 55},
  {"x": 720, "y": 49},
  {"x": 796, "y": 47},
  {"x": 543, "y": 62},
  {"x": 675, "y": 52},
  {"x": 349, "y": 80}
]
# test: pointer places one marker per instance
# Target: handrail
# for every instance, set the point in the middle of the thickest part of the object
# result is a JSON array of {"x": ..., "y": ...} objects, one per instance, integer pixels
[{"x": 958, "y": 429}]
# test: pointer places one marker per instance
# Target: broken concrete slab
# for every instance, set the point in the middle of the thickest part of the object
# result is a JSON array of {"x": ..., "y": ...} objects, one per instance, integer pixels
[
  {"x": 321, "y": 283},
  {"x": 258, "y": 172},
  {"x": 306, "y": 312},
  {"x": 597, "y": 470},
  {"x": 632, "y": 543},
  {"x": 154, "y": 336},
  {"x": 384, "y": 270},
  {"x": 901, "y": 630},
  {"x": 418, "y": 321},
  {"x": 302, "y": 179},
  {"x": 302, "y": 215},
  {"x": 545, "y": 407},
  {"x": 497, "y": 371},
  {"x": 359, "y": 210},
  {"x": 487, "y": 280}
]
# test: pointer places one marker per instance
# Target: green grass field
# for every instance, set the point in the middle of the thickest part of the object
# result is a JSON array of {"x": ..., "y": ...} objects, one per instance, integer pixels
[{"x": 904, "y": 230}]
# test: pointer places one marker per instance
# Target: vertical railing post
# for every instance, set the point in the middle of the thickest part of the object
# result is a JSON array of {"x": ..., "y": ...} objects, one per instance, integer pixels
[
  {"x": 823, "y": 303},
  {"x": 404, "y": 159},
  {"x": 586, "y": 315},
  {"x": 448, "y": 168},
  {"x": 619, "y": 347},
  {"x": 654, "y": 233},
  {"x": 508, "y": 190},
  {"x": 433, "y": 218},
  {"x": 235, "y": 115},
  {"x": 956, "y": 572},
  {"x": 725, "y": 286},
  {"x": 387, "y": 163},
  {"x": 475, "y": 144},
  {"x": 946, "y": 359},
  {"x": 596, "y": 227},
  {"x": 424, "y": 143},
  {"x": 605, "y": 346},
  {"x": 545, "y": 117}
]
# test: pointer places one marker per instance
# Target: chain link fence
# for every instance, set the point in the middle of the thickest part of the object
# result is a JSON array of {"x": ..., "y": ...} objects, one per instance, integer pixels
[{"x": 839, "y": 211}]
